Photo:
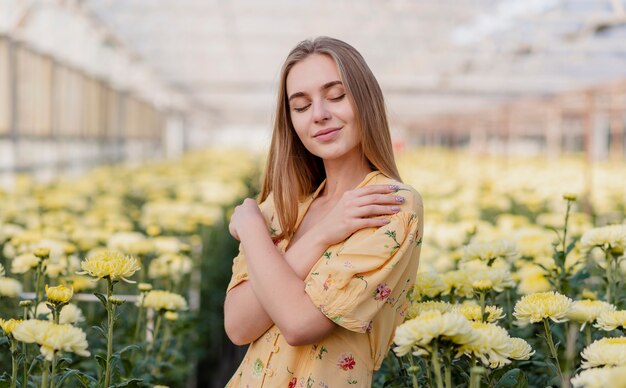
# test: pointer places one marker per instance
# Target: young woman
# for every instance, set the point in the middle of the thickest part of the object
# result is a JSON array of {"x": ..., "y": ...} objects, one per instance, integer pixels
[{"x": 328, "y": 257}]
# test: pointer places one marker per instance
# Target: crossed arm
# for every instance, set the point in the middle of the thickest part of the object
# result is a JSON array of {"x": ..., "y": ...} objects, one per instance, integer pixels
[{"x": 274, "y": 293}]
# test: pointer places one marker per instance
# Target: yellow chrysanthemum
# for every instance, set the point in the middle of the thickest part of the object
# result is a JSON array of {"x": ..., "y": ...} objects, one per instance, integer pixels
[
  {"x": 170, "y": 265},
  {"x": 610, "y": 320},
  {"x": 531, "y": 279},
  {"x": 418, "y": 308},
  {"x": 80, "y": 282},
  {"x": 583, "y": 311},
  {"x": 490, "y": 345},
  {"x": 10, "y": 288},
  {"x": 605, "y": 351},
  {"x": 70, "y": 313},
  {"x": 601, "y": 378},
  {"x": 113, "y": 264},
  {"x": 9, "y": 325},
  {"x": 171, "y": 315},
  {"x": 420, "y": 331},
  {"x": 611, "y": 237},
  {"x": 59, "y": 294},
  {"x": 519, "y": 349},
  {"x": 490, "y": 251},
  {"x": 164, "y": 300},
  {"x": 536, "y": 307},
  {"x": 471, "y": 311}
]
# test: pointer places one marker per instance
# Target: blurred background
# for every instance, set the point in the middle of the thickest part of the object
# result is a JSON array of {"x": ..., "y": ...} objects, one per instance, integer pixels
[
  {"x": 168, "y": 104},
  {"x": 94, "y": 81}
]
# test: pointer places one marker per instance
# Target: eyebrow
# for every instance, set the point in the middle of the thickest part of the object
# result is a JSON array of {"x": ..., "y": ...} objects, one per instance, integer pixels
[{"x": 327, "y": 85}]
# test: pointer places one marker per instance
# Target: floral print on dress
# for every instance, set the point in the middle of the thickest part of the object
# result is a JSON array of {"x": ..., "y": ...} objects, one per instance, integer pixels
[
  {"x": 382, "y": 292},
  {"x": 293, "y": 382},
  {"x": 328, "y": 282},
  {"x": 346, "y": 361},
  {"x": 257, "y": 368}
]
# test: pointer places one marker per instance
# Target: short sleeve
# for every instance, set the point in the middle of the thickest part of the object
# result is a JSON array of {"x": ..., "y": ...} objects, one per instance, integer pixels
[
  {"x": 240, "y": 265},
  {"x": 353, "y": 281}
]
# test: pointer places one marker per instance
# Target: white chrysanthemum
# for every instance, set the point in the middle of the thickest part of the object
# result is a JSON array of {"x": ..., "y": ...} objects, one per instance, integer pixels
[
  {"x": 70, "y": 313},
  {"x": 164, "y": 300},
  {"x": 123, "y": 241},
  {"x": 583, "y": 311},
  {"x": 479, "y": 272},
  {"x": 63, "y": 338},
  {"x": 533, "y": 242},
  {"x": 428, "y": 283},
  {"x": 170, "y": 265},
  {"x": 9, "y": 287},
  {"x": 531, "y": 279},
  {"x": 24, "y": 263},
  {"x": 418, "y": 308},
  {"x": 420, "y": 331},
  {"x": 472, "y": 312},
  {"x": 491, "y": 344},
  {"x": 457, "y": 282},
  {"x": 610, "y": 320},
  {"x": 164, "y": 245},
  {"x": 536, "y": 307},
  {"x": 490, "y": 251},
  {"x": 519, "y": 349},
  {"x": 605, "y": 351},
  {"x": 601, "y": 378},
  {"x": 606, "y": 237}
]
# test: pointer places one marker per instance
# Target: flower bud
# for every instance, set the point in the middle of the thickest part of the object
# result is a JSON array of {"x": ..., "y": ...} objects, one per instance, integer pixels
[
  {"x": 482, "y": 285},
  {"x": 569, "y": 196},
  {"x": 26, "y": 303},
  {"x": 59, "y": 294},
  {"x": 116, "y": 301},
  {"x": 9, "y": 325},
  {"x": 144, "y": 287},
  {"x": 171, "y": 315},
  {"x": 42, "y": 253}
]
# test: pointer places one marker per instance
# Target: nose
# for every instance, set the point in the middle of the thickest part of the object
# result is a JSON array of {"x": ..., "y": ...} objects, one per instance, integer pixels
[{"x": 320, "y": 112}]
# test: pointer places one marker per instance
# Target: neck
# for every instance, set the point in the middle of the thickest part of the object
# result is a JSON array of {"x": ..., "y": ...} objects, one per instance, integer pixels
[{"x": 344, "y": 174}]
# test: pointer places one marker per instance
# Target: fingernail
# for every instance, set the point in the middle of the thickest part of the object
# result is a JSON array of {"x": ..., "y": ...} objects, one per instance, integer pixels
[
  {"x": 395, "y": 208},
  {"x": 399, "y": 199},
  {"x": 394, "y": 187},
  {"x": 386, "y": 220}
]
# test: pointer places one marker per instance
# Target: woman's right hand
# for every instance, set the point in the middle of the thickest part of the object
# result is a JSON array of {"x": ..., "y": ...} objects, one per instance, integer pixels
[{"x": 357, "y": 210}]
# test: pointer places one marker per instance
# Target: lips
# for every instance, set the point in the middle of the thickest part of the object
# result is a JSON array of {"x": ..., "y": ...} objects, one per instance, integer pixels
[{"x": 326, "y": 131}]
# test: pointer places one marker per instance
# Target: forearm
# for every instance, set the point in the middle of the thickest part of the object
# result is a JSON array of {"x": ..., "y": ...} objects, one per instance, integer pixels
[
  {"x": 245, "y": 319},
  {"x": 279, "y": 288}
]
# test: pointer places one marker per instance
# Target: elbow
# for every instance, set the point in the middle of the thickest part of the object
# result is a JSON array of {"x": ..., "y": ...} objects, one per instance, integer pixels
[
  {"x": 306, "y": 333},
  {"x": 235, "y": 334}
]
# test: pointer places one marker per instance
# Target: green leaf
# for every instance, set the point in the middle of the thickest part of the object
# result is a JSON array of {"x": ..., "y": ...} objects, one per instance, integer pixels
[
  {"x": 127, "y": 348},
  {"x": 102, "y": 298},
  {"x": 514, "y": 378},
  {"x": 133, "y": 383},
  {"x": 101, "y": 361}
]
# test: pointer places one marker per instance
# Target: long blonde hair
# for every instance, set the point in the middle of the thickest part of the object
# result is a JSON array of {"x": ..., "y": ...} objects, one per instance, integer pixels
[{"x": 292, "y": 172}]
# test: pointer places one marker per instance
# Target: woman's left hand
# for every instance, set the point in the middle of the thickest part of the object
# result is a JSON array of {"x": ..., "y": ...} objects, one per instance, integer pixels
[{"x": 247, "y": 214}]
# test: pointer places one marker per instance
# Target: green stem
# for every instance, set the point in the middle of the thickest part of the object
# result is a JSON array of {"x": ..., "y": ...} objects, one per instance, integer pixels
[
  {"x": 448, "y": 367},
  {"x": 44, "y": 375},
  {"x": 110, "y": 319},
  {"x": 155, "y": 334},
  {"x": 164, "y": 342},
  {"x": 569, "y": 206},
  {"x": 54, "y": 370},
  {"x": 413, "y": 372},
  {"x": 482, "y": 306},
  {"x": 609, "y": 276},
  {"x": 588, "y": 334},
  {"x": 38, "y": 276},
  {"x": 139, "y": 321},
  {"x": 474, "y": 377},
  {"x": 25, "y": 351},
  {"x": 14, "y": 366},
  {"x": 553, "y": 351},
  {"x": 436, "y": 365}
]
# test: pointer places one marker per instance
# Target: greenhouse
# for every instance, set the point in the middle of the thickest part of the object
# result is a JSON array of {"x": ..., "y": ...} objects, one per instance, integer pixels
[{"x": 402, "y": 193}]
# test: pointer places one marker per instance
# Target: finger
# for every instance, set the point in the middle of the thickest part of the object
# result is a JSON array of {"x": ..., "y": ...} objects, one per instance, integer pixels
[
  {"x": 375, "y": 189},
  {"x": 379, "y": 199},
  {"x": 376, "y": 210}
]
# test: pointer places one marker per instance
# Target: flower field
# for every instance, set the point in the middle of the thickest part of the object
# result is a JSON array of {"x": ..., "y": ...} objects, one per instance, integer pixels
[{"x": 117, "y": 278}]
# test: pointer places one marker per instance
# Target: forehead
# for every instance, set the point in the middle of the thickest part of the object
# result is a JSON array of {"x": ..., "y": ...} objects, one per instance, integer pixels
[{"x": 311, "y": 73}]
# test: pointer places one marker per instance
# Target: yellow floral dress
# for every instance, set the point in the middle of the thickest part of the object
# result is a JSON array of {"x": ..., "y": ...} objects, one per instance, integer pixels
[{"x": 361, "y": 284}]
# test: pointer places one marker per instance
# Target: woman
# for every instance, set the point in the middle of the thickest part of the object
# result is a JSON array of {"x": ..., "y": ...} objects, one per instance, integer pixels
[{"x": 327, "y": 259}]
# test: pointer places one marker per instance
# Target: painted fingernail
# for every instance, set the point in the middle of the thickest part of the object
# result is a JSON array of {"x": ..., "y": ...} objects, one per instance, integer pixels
[
  {"x": 399, "y": 199},
  {"x": 395, "y": 208},
  {"x": 394, "y": 187},
  {"x": 386, "y": 220}
]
